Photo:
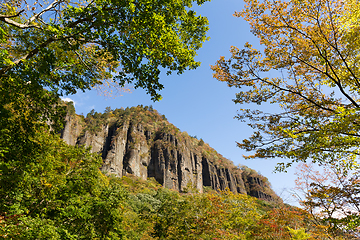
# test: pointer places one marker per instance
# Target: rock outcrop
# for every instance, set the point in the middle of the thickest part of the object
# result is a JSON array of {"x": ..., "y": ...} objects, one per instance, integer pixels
[{"x": 141, "y": 142}]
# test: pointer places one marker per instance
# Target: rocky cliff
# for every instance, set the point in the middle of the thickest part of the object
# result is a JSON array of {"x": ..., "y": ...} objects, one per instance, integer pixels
[{"x": 141, "y": 142}]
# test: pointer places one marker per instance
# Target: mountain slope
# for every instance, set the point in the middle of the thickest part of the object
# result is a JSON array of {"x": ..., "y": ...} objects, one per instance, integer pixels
[{"x": 141, "y": 142}]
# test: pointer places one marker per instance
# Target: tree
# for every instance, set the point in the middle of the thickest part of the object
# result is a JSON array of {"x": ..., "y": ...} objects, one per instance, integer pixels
[
  {"x": 312, "y": 48},
  {"x": 58, "y": 192},
  {"x": 222, "y": 215},
  {"x": 331, "y": 196},
  {"x": 281, "y": 222},
  {"x": 66, "y": 45}
]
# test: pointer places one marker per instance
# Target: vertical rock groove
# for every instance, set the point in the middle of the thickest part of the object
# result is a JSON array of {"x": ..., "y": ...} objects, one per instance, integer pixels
[{"x": 140, "y": 142}]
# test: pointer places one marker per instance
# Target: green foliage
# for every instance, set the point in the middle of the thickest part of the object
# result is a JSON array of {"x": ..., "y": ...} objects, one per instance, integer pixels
[
  {"x": 70, "y": 108},
  {"x": 86, "y": 43},
  {"x": 298, "y": 234},
  {"x": 79, "y": 45},
  {"x": 203, "y": 216},
  {"x": 49, "y": 190},
  {"x": 58, "y": 192},
  {"x": 94, "y": 121}
]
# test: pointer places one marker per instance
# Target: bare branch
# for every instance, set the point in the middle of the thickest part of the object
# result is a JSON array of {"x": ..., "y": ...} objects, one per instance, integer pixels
[
  {"x": 53, "y": 4},
  {"x": 289, "y": 91},
  {"x": 7, "y": 20}
]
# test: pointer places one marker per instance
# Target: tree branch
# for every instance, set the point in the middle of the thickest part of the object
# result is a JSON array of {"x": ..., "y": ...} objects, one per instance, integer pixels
[
  {"x": 27, "y": 56},
  {"x": 53, "y": 4},
  {"x": 11, "y": 16},
  {"x": 81, "y": 59},
  {"x": 7, "y": 20},
  {"x": 289, "y": 91}
]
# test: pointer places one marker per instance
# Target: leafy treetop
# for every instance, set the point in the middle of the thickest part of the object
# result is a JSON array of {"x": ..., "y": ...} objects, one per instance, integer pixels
[
  {"x": 314, "y": 48},
  {"x": 68, "y": 45}
]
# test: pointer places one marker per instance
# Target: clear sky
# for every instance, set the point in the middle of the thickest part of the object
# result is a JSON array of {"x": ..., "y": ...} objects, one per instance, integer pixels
[{"x": 197, "y": 103}]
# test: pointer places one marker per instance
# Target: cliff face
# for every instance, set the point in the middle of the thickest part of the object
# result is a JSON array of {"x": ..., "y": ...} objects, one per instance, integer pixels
[{"x": 141, "y": 142}]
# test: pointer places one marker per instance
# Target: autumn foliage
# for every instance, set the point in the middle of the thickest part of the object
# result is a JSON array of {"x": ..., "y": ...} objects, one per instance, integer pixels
[
  {"x": 330, "y": 194},
  {"x": 309, "y": 69}
]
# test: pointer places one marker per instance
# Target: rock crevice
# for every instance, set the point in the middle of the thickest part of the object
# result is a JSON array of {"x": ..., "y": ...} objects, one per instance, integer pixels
[{"x": 133, "y": 144}]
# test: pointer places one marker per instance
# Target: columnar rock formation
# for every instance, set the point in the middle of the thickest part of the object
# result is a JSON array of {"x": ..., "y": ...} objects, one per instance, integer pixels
[{"x": 141, "y": 142}]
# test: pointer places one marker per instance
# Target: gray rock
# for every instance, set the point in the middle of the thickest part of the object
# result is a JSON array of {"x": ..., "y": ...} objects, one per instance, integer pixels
[{"x": 143, "y": 149}]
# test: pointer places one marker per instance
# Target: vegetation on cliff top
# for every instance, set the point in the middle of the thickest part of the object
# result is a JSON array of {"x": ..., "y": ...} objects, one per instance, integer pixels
[{"x": 155, "y": 123}]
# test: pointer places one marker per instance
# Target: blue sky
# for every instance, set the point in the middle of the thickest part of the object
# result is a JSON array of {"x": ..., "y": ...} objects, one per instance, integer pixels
[{"x": 197, "y": 103}]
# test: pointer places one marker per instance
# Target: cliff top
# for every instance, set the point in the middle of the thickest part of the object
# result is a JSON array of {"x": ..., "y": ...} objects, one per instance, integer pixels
[{"x": 149, "y": 120}]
